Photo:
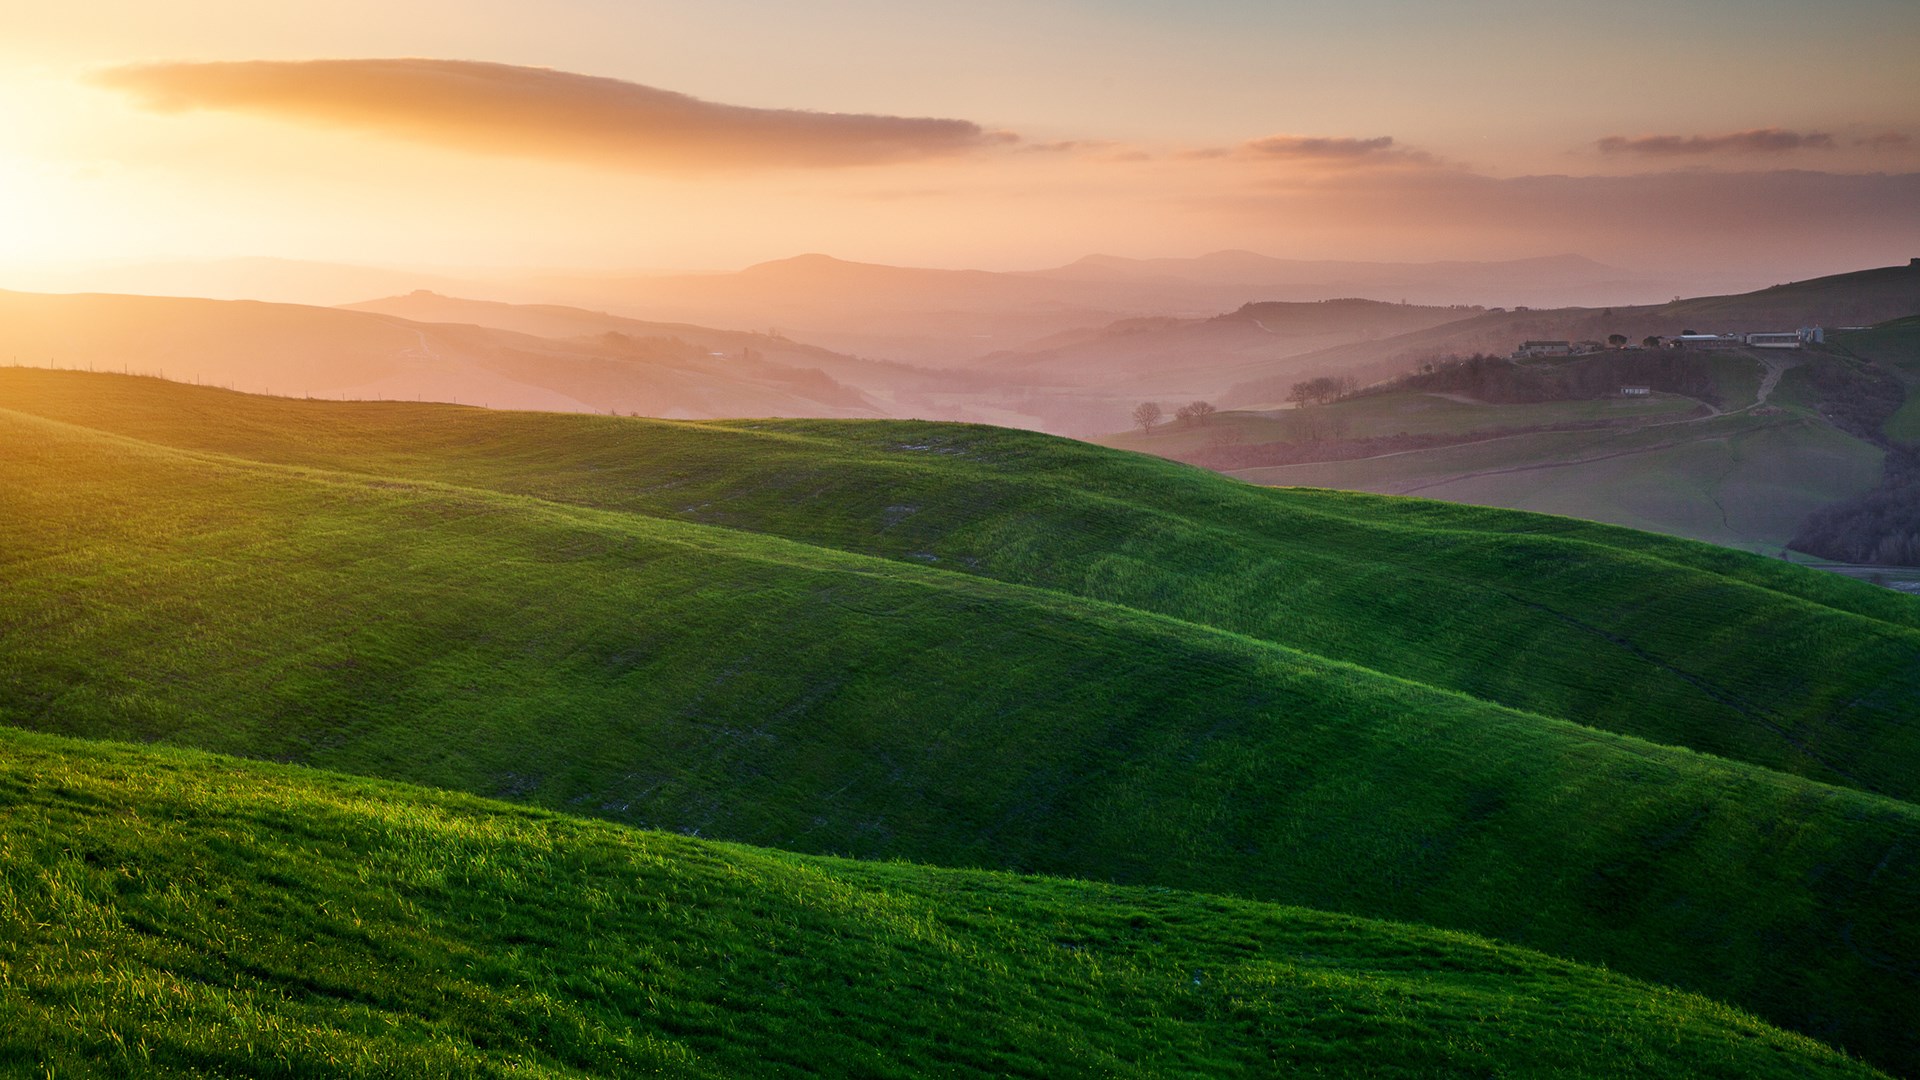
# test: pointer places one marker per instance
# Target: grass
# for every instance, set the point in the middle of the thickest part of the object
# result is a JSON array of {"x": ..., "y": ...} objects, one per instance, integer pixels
[
  {"x": 519, "y": 605},
  {"x": 169, "y": 913},
  {"x": 1385, "y": 584}
]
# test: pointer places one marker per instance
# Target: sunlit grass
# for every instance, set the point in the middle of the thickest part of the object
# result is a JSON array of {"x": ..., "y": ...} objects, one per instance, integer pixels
[
  {"x": 991, "y": 649},
  {"x": 171, "y": 913}
]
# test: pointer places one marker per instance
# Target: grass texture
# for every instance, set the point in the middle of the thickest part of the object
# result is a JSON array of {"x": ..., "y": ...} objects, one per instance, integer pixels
[
  {"x": 170, "y": 913},
  {"x": 997, "y": 650}
]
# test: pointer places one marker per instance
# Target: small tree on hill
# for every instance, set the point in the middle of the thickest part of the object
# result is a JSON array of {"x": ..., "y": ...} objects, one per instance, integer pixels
[
  {"x": 1651, "y": 341},
  {"x": 1201, "y": 412},
  {"x": 1146, "y": 415},
  {"x": 1618, "y": 341},
  {"x": 1322, "y": 390}
]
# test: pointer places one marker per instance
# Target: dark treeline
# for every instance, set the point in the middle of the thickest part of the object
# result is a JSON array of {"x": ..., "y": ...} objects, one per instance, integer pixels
[
  {"x": 1500, "y": 381},
  {"x": 1880, "y": 527},
  {"x": 1858, "y": 397}
]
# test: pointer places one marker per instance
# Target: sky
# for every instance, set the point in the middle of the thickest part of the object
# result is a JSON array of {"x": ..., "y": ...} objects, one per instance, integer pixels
[{"x": 1694, "y": 134}]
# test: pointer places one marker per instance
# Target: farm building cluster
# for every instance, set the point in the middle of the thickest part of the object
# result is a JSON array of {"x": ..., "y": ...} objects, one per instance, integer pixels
[{"x": 1764, "y": 339}]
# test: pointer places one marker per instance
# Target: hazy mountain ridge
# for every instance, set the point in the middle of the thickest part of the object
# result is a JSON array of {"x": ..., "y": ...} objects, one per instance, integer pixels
[
  {"x": 1082, "y": 376},
  {"x": 296, "y": 350}
]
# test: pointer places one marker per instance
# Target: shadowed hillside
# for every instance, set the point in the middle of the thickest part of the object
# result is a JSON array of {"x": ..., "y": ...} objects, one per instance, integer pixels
[{"x": 1075, "y": 714}]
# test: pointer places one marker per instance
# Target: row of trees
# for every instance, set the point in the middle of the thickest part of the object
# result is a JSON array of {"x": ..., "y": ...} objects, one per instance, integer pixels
[
  {"x": 1148, "y": 415},
  {"x": 1880, "y": 527},
  {"x": 1321, "y": 390}
]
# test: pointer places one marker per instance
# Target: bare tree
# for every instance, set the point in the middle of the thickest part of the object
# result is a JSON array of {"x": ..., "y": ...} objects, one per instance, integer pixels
[
  {"x": 1146, "y": 415},
  {"x": 1201, "y": 412}
]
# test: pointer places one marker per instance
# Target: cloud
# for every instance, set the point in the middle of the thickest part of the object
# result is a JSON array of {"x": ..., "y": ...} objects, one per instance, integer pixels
[
  {"x": 1758, "y": 141},
  {"x": 539, "y": 112},
  {"x": 1888, "y": 140},
  {"x": 1309, "y": 146},
  {"x": 1331, "y": 151},
  {"x": 1069, "y": 146}
]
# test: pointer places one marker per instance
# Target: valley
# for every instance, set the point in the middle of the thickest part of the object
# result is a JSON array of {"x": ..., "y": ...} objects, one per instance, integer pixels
[{"x": 584, "y": 540}]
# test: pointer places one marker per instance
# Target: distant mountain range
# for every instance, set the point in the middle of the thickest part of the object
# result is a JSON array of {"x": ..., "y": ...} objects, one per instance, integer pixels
[
  {"x": 296, "y": 350},
  {"x": 921, "y": 315},
  {"x": 1080, "y": 372}
]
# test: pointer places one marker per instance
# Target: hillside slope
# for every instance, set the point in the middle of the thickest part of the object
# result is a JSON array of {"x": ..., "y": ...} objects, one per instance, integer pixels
[
  {"x": 1194, "y": 358},
  {"x": 1858, "y": 298},
  {"x": 329, "y": 352},
  {"x": 1542, "y": 614},
  {"x": 1743, "y": 481},
  {"x": 710, "y": 679},
  {"x": 166, "y": 913},
  {"x": 552, "y": 321}
]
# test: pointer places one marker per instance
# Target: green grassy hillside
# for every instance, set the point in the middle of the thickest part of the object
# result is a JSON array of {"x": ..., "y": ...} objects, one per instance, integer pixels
[
  {"x": 580, "y": 645},
  {"x": 1541, "y": 614},
  {"x": 168, "y": 913}
]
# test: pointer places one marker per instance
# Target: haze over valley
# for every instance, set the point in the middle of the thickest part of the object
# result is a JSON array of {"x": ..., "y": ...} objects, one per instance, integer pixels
[{"x": 900, "y": 540}]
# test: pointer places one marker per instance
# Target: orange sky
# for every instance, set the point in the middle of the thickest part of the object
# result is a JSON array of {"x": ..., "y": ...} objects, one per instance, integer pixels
[{"x": 1697, "y": 133}]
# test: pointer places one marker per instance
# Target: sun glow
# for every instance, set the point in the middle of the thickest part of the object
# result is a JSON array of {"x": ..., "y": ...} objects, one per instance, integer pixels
[{"x": 29, "y": 197}]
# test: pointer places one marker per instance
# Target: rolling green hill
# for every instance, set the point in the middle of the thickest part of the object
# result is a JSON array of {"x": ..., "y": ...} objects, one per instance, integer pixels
[
  {"x": 1141, "y": 673},
  {"x": 1388, "y": 585},
  {"x": 168, "y": 913}
]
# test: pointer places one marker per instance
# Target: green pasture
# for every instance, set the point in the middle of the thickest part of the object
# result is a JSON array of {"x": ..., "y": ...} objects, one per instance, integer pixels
[
  {"x": 991, "y": 649},
  {"x": 165, "y": 913}
]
